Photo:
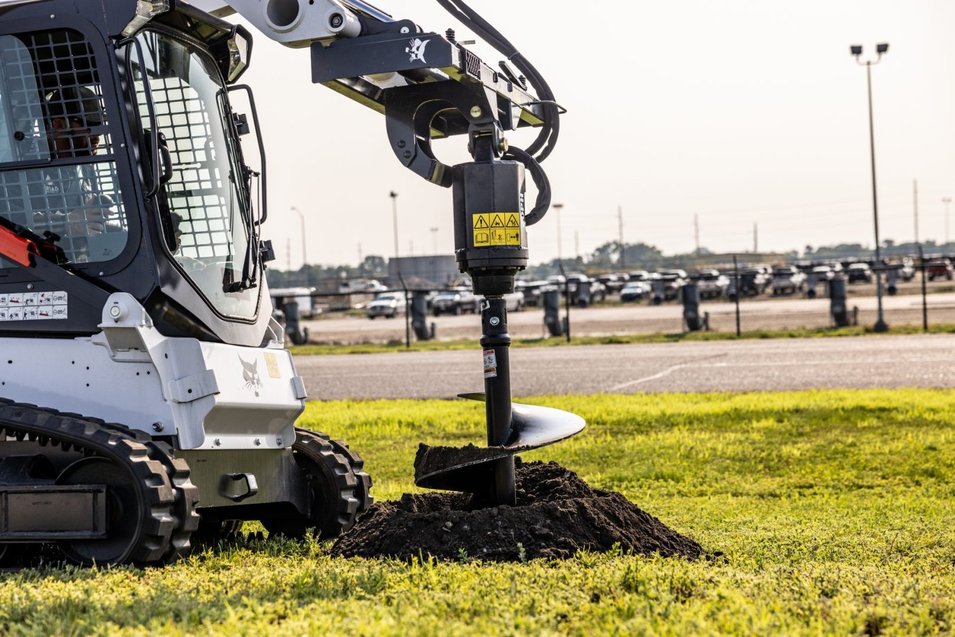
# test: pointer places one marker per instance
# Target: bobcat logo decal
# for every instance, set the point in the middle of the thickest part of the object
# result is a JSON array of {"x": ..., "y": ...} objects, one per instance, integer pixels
[
  {"x": 416, "y": 49},
  {"x": 250, "y": 374}
]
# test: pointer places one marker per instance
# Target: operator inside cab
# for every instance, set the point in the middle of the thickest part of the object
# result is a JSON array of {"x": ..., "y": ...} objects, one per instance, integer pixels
[{"x": 72, "y": 114}]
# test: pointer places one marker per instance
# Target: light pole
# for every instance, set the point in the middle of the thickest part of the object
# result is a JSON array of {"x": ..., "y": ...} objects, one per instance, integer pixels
[
  {"x": 946, "y": 201},
  {"x": 560, "y": 255},
  {"x": 394, "y": 216},
  {"x": 880, "y": 50},
  {"x": 301, "y": 218}
]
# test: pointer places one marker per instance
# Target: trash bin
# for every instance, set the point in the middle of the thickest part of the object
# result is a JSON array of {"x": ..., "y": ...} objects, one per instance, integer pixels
[
  {"x": 657, "y": 291},
  {"x": 838, "y": 309},
  {"x": 293, "y": 326},
  {"x": 555, "y": 326},
  {"x": 690, "y": 297},
  {"x": 423, "y": 331},
  {"x": 584, "y": 298},
  {"x": 892, "y": 280}
]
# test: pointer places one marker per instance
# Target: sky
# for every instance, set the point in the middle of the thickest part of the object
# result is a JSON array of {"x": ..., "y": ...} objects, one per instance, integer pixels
[{"x": 740, "y": 114}]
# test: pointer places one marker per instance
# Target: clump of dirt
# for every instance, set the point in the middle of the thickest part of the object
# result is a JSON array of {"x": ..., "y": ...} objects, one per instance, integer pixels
[{"x": 557, "y": 514}]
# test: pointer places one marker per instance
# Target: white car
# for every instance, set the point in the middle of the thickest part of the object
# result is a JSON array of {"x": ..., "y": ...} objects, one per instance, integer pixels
[
  {"x": 387, "y": 304},
  {"x": 513, "y": 301}
]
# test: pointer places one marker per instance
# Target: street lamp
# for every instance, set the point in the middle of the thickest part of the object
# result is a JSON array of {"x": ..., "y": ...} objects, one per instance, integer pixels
[
  {"x": 304, "y": 255},
  {"x": 880, "y": 50},
  {"x": 394, "y": 216},
  {"x": 557, "y": 207},
  {"x": 946, "y": 201}
]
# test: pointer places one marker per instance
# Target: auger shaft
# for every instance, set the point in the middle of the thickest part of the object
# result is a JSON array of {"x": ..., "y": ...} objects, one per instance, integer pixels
[{"x": 497, "y": 388}]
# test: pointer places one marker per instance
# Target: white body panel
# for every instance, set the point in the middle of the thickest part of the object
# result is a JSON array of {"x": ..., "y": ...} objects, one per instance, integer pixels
[{"x": 213, "y": 396}]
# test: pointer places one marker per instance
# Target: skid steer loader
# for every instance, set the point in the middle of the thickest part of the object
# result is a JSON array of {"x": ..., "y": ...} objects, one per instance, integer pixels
[{"x": 146, "y": 397}]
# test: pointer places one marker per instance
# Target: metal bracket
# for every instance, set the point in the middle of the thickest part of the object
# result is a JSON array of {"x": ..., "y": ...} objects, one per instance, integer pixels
[
  {"x": 230, "y": 486},
  {"x": 190, "y": 388}
]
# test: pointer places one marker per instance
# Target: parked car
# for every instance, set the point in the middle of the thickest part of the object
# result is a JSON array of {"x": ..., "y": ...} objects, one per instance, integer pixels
[
  {"x": 859, "y": 273},
  {"x": 598, "y": 291},
  {"x": 939, "y": 269},
  {"x": 906, "y": 270},
  {"x": 531, "y": 290},
  {"x": 634, "y": 291},
  {"x": 513, "y": 301},
  {"x": 712, "y": 284},
  {"x": 457, "y": 301},
  {"x": 387, "y": 304},
  {"x": 673, "y": 280},
  {"x": 788, "y": 280},
  {"x": 613, "y": 283},
  {"x": 303, "y": 296},
  {"x": 753, "y": 281}
]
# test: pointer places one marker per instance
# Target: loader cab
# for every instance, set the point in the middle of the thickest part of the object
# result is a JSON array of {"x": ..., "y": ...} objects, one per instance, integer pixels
[{"x": 163, "y": 204}]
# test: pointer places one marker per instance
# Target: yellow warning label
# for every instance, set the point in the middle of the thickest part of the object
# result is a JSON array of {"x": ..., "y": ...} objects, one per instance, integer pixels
[{"x": 496, "y": 229}]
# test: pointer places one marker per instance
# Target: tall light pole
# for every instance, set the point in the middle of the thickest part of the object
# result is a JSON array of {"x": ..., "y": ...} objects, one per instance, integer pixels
[
  {"x": 880, "y": 50},
  {"x": 946, "y": 201},
  {"x": 301, "y": 218},
  {"x": 560, "y": 254},
  {"x": 394, "y": 216}
]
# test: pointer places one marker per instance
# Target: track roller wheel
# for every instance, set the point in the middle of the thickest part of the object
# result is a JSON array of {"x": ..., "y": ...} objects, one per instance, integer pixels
[{"x": 333, "y": 489}]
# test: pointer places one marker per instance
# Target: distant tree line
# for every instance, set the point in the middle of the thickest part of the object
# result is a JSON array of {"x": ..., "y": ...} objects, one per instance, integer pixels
[{"x": 610, "y": 257}]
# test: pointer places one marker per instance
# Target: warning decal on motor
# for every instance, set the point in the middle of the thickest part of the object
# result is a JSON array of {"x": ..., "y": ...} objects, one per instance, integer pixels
[
  {"x": 34, "y": 306},
  {"x": 496, "y": 229}
]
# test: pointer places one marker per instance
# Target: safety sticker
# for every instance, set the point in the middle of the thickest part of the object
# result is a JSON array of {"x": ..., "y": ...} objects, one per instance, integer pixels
[
  {"x": 34, "y": 306},
  {"x": 490, "y": 363},
  {"x": 496, "y": 229}
]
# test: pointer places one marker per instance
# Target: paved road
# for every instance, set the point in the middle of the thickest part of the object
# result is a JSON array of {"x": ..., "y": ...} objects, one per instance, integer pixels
[{"x": 747, "y": 365}]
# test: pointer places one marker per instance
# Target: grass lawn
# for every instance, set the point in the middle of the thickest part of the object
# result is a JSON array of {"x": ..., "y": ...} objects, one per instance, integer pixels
[{"x": 833, "y": 513}]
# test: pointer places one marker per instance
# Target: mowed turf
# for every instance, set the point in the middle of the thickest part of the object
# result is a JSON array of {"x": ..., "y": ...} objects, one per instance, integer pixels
[{"x": 829, "y": 512}]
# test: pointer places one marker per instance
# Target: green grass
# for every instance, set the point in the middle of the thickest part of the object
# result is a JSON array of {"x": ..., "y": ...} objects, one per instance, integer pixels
[
  {"x": 834, "y": 512},
  {"x": 623, "y": 339}
]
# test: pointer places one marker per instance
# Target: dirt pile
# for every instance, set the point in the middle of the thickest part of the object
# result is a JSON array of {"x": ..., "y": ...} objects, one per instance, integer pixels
[{"x": 556, "y": 515}]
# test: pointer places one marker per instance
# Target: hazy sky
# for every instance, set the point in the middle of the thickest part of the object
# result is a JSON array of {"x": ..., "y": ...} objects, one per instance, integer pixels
[{"x": 742, "y": 112}]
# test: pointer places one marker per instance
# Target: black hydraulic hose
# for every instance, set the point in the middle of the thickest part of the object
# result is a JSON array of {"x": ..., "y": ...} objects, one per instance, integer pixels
[
  {"x": 547, "y": 138},
  {"x": 540, "y": 180}
]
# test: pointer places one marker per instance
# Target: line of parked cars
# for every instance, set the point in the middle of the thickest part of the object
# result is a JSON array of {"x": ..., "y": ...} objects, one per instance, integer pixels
[
  {"x": 658, "y": 287},
  {"x": 455, "y": 301}
]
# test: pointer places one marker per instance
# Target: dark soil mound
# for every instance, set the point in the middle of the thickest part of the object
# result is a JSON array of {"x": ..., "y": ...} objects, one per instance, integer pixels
[{"x": 556, "y": 515}]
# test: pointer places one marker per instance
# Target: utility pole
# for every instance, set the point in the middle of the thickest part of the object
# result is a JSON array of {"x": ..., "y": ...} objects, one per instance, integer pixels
[
  {"x": 755, "y": 238},
  {"x": 557, "y": 208},
  {"x": 946, "y": 201},
  {"x": 394, "y": 216},
  {"x": 696, "y": 232},
  {"x": 621, "y": 258},
  {"x": 577, "y": 244},
  {"x": 915, "y": 207}
]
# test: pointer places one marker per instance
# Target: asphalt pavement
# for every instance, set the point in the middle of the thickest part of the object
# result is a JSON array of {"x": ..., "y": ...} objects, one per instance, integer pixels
[{"x": 746, "y": 365}]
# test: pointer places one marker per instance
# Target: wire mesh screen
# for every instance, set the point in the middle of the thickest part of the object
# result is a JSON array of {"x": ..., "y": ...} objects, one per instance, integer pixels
[
  {"x": 199, "y": 193},
  {"x": 52, "y": 111}
]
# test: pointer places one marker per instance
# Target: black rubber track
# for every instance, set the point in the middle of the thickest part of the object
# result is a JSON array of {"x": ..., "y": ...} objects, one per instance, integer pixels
[
  {"x": 163, "y": 482},
  {"x": 363, "y": 492},
  {"x": 333, "y": 487}
]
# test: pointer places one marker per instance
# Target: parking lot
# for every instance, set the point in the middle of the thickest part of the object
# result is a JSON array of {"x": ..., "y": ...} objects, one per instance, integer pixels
[{"x": 614, "y": 318}]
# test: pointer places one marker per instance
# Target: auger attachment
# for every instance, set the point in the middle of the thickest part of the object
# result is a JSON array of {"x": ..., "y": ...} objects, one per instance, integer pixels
[{"x": 491, "y": 246}]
